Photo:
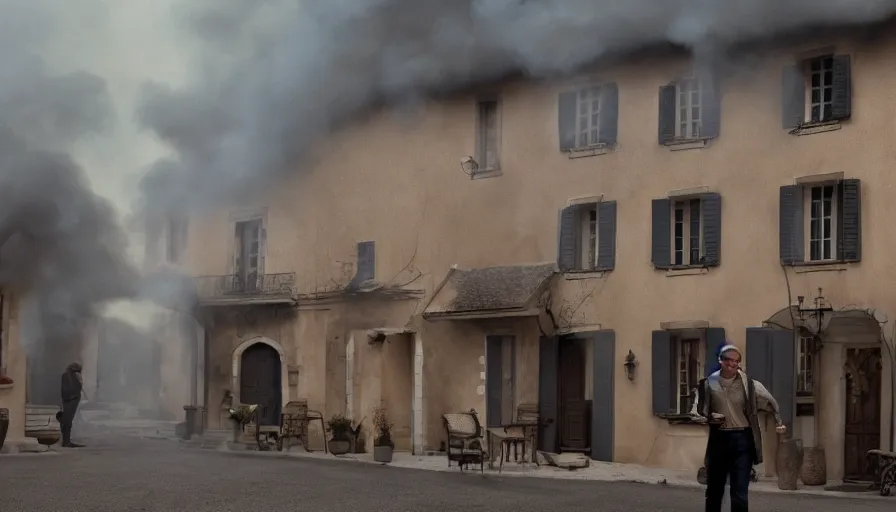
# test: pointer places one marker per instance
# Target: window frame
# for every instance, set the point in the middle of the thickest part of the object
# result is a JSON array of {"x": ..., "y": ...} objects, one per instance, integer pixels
[
  {"x": 697, "y": 342},
  {"x": 806, "y": 353},
  {"x": 694, "y": 86},
  {"x": 686, "y": 205},
  {"x": 4, "y": 332},
  {"x": 583, "y": 231},
  {"x": 808, "y": 73},
  {"x": 594, "y": 95},
  {"x": 481, "y": 136},
  {"x": 808, "y": 201}
]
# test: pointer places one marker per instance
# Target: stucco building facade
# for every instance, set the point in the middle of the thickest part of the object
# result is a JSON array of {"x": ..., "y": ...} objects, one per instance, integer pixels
[
  {"x": 13, "y": 365},
  {"x": 521, "y": 243}
]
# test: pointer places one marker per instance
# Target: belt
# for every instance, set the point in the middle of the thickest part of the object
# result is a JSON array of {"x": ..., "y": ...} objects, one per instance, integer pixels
[{"x": 739, "y": 429}]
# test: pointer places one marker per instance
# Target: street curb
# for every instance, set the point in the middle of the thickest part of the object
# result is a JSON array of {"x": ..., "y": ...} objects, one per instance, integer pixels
[{"x": 644, "y": 481}]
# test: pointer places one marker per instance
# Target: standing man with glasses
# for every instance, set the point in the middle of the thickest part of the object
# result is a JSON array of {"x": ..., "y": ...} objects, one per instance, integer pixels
[{"x": 731, "y": 402}]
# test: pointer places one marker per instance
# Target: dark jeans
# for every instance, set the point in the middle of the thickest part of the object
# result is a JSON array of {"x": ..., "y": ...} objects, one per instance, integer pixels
[
  {"x": 69, "y": 409},
  {"x": 730, "y": 458}
]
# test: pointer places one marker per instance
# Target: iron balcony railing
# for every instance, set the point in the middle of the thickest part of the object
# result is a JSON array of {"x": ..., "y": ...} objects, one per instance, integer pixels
[{"x": 210, "y": 287}]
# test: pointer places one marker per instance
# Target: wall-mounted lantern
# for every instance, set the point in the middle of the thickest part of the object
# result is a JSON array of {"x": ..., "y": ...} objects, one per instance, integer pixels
[
  {"x": 630, "y": 363},
  {"x": 292, "y": 374}
]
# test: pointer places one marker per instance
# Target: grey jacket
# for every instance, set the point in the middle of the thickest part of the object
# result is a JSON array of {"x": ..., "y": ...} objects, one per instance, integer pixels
[{"x": 758, "y": 399}]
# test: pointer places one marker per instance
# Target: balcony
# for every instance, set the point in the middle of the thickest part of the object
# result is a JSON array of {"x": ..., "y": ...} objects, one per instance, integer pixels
[{"x": 234, "y": 290}]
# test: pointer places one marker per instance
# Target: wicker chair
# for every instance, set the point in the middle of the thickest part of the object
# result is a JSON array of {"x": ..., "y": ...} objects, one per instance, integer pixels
[{"x": 465, "y": 441}]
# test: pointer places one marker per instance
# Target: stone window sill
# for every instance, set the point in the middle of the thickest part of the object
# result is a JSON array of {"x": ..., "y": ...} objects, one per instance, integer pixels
[
  {"x": 813, "y": 128},
  {"x": 686, "y": 144},
  {"x": 588, "y": 151},
  {"x": 575, "y": 275},
  {"x": 806, "y": 267},
  {"x": 7, "y": 386},
  {"x": 682, "y": 419},
  {"x": 686, "y": 271},
  {"x": 487, "y": 173}
]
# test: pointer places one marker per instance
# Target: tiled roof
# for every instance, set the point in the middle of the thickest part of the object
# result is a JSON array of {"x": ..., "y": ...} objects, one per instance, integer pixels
[{"x": 490, "y": 288}]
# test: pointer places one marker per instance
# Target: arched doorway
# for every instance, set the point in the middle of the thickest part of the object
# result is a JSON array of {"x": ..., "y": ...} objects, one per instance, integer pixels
[{"x": 260, "y": 376}]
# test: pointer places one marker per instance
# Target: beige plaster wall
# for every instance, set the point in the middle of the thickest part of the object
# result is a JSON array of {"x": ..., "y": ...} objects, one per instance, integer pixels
[
  {"x": 400, "y": 183},
  {"x": 12, "y": 396}
]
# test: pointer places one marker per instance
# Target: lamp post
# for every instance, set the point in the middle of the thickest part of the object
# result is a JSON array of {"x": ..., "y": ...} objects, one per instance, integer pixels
[{"x": 821, "y": 306}]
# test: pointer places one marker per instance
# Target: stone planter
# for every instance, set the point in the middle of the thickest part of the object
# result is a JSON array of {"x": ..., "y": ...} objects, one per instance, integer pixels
[
  {"x": 4, "y": 426},
  {"x": 382, "y": 454},
  {"x": 339, "y": 446},
  {"x": 814, "y": 469},
  {"x": 788, "y": 462}
]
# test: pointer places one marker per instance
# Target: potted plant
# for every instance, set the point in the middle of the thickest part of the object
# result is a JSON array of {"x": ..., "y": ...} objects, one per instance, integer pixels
[
  {"x": 241, "y": 416},
  {"x": 340, "y": 429},
  {"x": 382, "y": 443}
]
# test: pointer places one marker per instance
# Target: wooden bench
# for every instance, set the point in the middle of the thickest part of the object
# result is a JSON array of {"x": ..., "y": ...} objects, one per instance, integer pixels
[
  {"x": 41, "y": 423},
  {"x": 884, "y": 464}
]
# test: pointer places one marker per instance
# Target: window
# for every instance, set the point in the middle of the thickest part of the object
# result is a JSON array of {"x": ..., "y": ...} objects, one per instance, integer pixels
[
  {"x": 176, "y": 238},
  {"x": 688, "y": 371},
  {"x": 588, "y": 117},
  {"x": 820, "y": 222},
  {"x": 817, "y": 90},
  {"x": 688, "y": 246},
  {"x": 588, "y": 237},
  {"x": 689, "y": 110},
  {"x": 687, "y": 231},
  {"x": 488, "y": 135},
  {"x": 822, "y": 235},
  {"x": 805, "y": 366},
  {"x": 247, "y": 255}
]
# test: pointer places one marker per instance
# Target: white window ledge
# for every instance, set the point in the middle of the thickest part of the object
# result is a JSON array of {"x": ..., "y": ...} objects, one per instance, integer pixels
[
  {"x": 819, "y": 266},
  {"x": 690, "y": 271},
  {"x": 686, "y": 144},
  {"x": 813, "y": 128},
  {"x": 7, "y": 386},
  {"x": 585, "y": 152},
  {"x": 482, "y": 174},
  {"x": 576, "y": 275}
]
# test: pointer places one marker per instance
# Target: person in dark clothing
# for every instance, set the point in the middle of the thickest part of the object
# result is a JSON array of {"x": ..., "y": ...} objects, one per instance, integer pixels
[
  {"x": 731, "y": 402},
  {"x": 71, "y": 388}
]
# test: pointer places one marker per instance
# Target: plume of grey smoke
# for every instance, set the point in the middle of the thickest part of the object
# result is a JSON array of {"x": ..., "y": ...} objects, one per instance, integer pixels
[
  {"x": 275, "y": 75},
  {"x": 60, "y": 244}
]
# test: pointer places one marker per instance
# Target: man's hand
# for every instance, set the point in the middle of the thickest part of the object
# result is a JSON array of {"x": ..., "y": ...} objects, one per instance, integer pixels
[
  {"x": 716, "y": 418},
  {"x": 781, "y": 429}
]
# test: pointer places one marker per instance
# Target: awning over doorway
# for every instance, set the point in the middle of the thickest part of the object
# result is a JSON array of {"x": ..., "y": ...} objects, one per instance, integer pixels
[{"x": 490, "y": 292}]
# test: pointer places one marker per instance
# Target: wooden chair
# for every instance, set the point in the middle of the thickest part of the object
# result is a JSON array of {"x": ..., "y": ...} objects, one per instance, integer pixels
[
  {"x": 294, "y": 421},
  {"x": 465, "y": 441}
]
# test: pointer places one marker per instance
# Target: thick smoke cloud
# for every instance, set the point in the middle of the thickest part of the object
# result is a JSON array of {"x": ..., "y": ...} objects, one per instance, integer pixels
[
  {"x": 60, "y": 244},
  {"x": 274, "y": 75}
]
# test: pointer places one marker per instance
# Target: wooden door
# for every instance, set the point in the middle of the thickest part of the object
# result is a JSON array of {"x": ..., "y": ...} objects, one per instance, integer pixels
[
  {"x": 574, "y": 410},
  {"x": 260, "y": 382},
  {"x": 863, "y": 414}
]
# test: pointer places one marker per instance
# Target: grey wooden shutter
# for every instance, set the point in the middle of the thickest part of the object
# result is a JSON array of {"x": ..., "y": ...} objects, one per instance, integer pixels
[
  {"x": 566, "y": 119},
  {"x": 790, "y": 225},
  {"x": 548, "y": 399},
  {"x": 711, "y": 206},
  {"x": 715, "y": 339},
  {"x": 606, "y": 235},
  {"x": 602, "y": 403},
  {"x": 609, "y": 114},
  {"x": 841, "y": 103},
  {"x": 661, "y": 233},
  {"x": 566, "y": 239},
  {"x": 771, "y": 360},
  {"x": 661, "y": 355},
  {"x": 793, "y": 96},
  {"x": 850, "y": 226},
  {"x": 366, "y": 261},
  {"x": 493, "y": 377},
  {"x": 666, "y": 120},
  {"x": 711, "y": 106}
]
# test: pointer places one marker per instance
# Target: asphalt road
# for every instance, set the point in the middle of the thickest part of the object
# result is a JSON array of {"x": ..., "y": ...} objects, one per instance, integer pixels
[{"x": 127, "y": 474}]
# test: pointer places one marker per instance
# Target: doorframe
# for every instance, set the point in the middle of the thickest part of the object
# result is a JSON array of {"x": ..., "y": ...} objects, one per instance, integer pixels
[{"x": 237, "y": 363}]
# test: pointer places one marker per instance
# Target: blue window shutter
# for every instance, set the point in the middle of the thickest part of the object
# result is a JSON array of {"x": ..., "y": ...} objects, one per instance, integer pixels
[
  {"x": 666, "y": 118},
  {"x": 793, "y": 96},
  {"x": 609, "y": 114},
  {"x": 493, "y": 388},
  {"x": 711, "y": 205},
  {"x": 715, "y": 339},
  {"x": 661, "y": 233},
  {"x": 771, "y": 360},
  {"x": 850, "y": 225},
  {"x": 548, "y": 393},
  {"x": 790, "y": 222},
  {"x": 661, "y": 372},
  {"x": 841, "y": 99},
  {"x": 711, "y": 107},
  {"x": 566, "y": 239},
  {"x": 603, "y": 396},
  {"x": 566, "y": 119},
  {"x": 606, "y": 235}
]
